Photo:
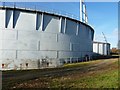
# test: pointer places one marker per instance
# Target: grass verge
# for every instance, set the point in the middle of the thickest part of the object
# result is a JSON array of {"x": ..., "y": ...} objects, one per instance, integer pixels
[{"x": 100, "y": 74}]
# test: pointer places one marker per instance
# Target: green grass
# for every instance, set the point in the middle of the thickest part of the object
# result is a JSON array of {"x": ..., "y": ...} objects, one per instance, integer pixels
[
  {"x": 104, "y": 78},
  {"x": 80, "y": 64}
]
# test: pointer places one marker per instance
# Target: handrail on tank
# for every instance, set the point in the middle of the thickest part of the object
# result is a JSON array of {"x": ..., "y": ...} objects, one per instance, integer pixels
[
  {"x": 34, "y": 7},
  {"x": 43, "y": 9}
]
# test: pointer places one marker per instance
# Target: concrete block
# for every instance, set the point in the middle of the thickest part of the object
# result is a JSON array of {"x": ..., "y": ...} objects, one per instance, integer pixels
[
  {"x": 27, "y": 54},
  {"x": 8, "y": 34},
  {"x": 63, "y": 38},
  {"x": 29, "y": 35},
  {"x": 61, "y": 46},
  {"x": 75, "y": 39},
  {"x": 2, "y": 19},
  {"x": 18, "y": 45},
  {"x": 36, "y": 35},
  {"x": 46, "y": 37},
  {"x": 1, "y": 44},
  {"x": 63, "y": 54},
  {"x": 26, "y": 21},
  {"x": 48, "y": 54},
  {"x": 76, "y": 47},
  {"x": 81, "y": 47},
  {"x": 8, "y": 64},
  {"x": 36, "y": 54},
  {"x": 51, "y": 24},
  {"x": 7, "y": 54}
]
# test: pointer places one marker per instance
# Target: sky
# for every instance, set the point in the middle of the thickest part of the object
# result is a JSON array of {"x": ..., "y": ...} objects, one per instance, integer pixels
[
  {"x": 119, "y": 25},
  {"x": 103, "y": 16}
]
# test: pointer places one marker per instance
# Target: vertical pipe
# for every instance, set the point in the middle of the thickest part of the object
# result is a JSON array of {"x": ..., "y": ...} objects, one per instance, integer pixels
[
  {"x": 37, "y": 21},
  {"x": 103, "y": 48},
  {"x": 65, "y": 25},
  {"x": 41, "y": 27},
  {"x": 84, "y": 14},
  {"x": 60, "y": 24},
  {"x": 77, "y": 28},
  {"x": 5, "y": 18},
  {"x": 70, "y": 46},
  {"x": 98, "y": 48},
  {"x": 81, "y": 10},
  {"x": 13, "y": 26}
]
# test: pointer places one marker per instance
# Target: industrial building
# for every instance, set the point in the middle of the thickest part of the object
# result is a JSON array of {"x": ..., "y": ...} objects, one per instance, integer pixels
[
  {"x": 101, "y": 48},
  {"x": 32, "y": 39}
]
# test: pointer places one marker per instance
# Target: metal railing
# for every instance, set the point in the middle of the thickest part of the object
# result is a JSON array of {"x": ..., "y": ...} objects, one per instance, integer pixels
[{"x": 30, "y": 6}]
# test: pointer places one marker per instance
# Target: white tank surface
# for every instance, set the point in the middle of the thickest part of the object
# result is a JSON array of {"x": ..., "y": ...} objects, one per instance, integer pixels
[
  {"x": 101, "y": 48},
  {"x": 31, "y": 39}
]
